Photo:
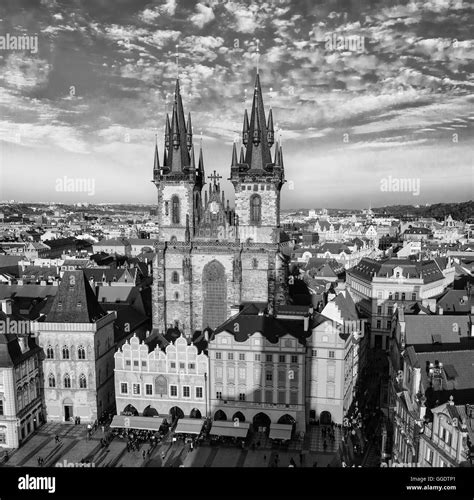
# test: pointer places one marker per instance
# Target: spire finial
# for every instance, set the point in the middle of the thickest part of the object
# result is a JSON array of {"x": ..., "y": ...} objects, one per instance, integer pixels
[
  {"x": 258, "y": 54},
  {"x": 177, "y": 61}
]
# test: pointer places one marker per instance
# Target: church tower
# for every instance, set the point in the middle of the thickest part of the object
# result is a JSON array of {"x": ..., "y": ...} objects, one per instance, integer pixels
[
  {"x": 179, "y": 180},
  {"x": 258, "y": 179}
]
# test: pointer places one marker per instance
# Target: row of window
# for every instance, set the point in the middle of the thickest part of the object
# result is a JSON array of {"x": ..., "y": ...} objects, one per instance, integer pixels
[
  {"x": 66, "y": 353},
  {"x": 379, "y": 324},
  {"x": 258, "y": 357},
  {"x": 173, "y": 390},
  {"x": 67, "y": 381},
  {"x": 282, "y": 396},
  {"x": 331, "y": 354},
  {"x": 182, "y": 366}
]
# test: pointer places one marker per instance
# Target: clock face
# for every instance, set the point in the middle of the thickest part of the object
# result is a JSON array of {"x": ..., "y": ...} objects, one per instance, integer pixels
[{"x": 214, "y": 207}]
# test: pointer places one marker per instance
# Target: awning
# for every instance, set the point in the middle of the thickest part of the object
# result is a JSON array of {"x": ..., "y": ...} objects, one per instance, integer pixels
[
  {"x": 189, "y": 426},
  {"x": 139, "y": 423},
  {"x": 280, "y": 431},
  {"x": 222, "y": 428}
]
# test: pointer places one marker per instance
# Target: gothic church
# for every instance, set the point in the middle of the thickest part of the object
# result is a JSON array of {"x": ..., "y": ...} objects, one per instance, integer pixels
[{"x": 210, "y": 258}]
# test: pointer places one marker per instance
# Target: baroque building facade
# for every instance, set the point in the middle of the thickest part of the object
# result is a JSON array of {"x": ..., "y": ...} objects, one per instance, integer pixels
[{"x": 210, "y": 257}]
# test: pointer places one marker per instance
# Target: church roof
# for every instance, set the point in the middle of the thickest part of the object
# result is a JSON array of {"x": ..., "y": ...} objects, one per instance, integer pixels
[{"x": 75, "y": 302}]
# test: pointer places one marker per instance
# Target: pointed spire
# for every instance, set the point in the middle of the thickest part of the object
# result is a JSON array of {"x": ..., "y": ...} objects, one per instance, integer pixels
[
  {"x": 156, "y": 163},
  {"x": 234, "y": 156},
  {"x": 258, "y": 155},
  {"x": 242, "y": 155},
  {"x": 270, "y": 130},
  {"x": 165, "y": 158},
  {"x": 201, "y": 164},
  {"x": 245, "y": 131},
  {"x": 223, "y": 199},
  {"x": 256, "y": 130},
  {"x": 189, "y": 132},
  {"x": 167, "y": 131},
  {"x": 282, "y": 165},
  {"x": 175, "y": 129},
  {"x": 277, "y": 154}
]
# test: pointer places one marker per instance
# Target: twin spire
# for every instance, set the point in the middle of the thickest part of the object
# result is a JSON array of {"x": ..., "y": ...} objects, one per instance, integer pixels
[{"x": 258, "y": 137}]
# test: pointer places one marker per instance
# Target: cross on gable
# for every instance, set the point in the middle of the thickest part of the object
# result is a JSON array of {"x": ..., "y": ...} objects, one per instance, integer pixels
[{"x": 214, "y": 177}]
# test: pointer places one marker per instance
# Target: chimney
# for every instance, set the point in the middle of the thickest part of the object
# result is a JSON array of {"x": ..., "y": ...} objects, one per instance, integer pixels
[
  {"x": 23, "y": 343},
  {"x": 6, "y": 306},
  {"x": 306, "y": 323}
]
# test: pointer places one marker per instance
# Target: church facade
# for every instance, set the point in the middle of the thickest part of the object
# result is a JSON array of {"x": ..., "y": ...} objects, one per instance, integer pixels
[{"x": 209, "y": 256}]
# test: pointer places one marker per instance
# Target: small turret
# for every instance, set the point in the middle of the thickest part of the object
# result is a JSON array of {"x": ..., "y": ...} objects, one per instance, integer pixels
[
  {"x": 189, "y": 133},
  {"x": 234, "y": 156},
  {"x": 270, "y": 130},
  {"x": 167, "y": 132},
  {"x": 156, "y": 164},
  {"x": 245, "y": 131}
]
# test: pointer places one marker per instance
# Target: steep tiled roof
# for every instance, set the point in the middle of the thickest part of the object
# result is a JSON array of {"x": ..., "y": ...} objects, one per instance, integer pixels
[
  {"x": 428, "y": 270},
  {"x": 75, "y": 301},
  {"x": 456, "y": 301},
  {"x": 421, "y": 329},
  {"x": 10, "y": 351},
  {"x": 334, "y": 248},
  {"x": 249, "y": 321},
  {"x": 457, "y": 381}
]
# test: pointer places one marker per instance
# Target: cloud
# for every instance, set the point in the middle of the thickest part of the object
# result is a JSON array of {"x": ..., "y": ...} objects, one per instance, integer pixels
[{"x": 203, "y": 16}]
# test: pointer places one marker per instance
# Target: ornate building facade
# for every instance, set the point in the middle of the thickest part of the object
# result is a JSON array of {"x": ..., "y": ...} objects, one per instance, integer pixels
[{"x": 210, "y": 257}]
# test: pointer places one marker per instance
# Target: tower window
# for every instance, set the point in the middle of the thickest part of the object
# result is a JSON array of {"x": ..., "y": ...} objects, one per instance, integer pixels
[
  {"x": 175, "y": 210},
  {"x": 255, "y": 209},
  {"x": 167, "y": 207},
  {"x": 175, "y": 277}
]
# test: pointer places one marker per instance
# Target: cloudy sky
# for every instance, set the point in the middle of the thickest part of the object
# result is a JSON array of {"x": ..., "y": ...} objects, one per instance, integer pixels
[{"x": 392, "y": 98}]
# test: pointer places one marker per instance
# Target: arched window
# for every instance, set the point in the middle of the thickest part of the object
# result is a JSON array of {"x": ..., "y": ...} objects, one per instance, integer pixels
[
  {"x": 173, "y": 239},
  {"x": 67, "y": 381},
  {"x": 175, "y": 216},
  {"x": 50, "y": 352},
  {"x": 255, "y": 209},
  {"x": 82, "y": 381},
  {"x": 51, "y": 380},
  {"x": 65, "y": 352},
  {"x": 175, "y": 277},
  {"x": 176, "y": 296},
  {"x": 81, "y": 352},
  {"x": 255, "y": 263}
]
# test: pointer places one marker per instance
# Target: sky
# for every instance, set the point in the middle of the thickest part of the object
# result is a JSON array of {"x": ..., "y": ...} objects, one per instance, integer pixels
[{"x": 373, "y": 100}]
